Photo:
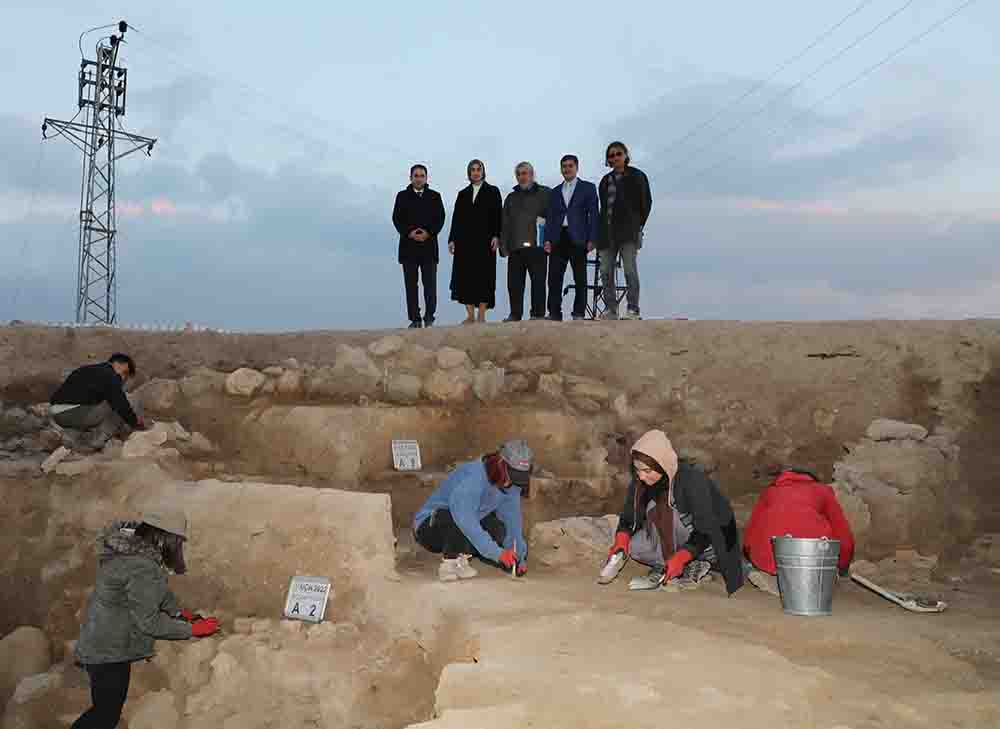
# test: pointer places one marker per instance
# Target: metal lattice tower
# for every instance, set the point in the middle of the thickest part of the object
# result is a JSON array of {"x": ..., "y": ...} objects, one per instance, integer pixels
[{"x": 103, "y": 141}]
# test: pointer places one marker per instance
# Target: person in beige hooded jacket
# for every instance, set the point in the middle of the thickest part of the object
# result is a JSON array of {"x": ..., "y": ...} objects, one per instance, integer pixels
[{"x": 673, "y": 515}]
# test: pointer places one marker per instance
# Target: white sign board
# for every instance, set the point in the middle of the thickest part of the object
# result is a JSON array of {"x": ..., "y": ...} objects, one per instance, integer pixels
[
  {"x": 307, "y": 598},
  {"x": 406, "y": 455}
]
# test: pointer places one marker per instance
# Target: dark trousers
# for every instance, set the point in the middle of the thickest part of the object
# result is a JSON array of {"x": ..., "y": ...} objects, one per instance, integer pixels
[
  {"x": 427, "y": 271},
  {"x": 566, "y": 253},
  {"x": 528, "y": 262},
  {"x": 440, "y": 534},
  {"x": 108, "y": 689}
]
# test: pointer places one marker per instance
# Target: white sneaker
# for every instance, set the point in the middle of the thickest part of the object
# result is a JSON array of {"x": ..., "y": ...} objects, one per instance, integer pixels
[
  {"x": 651, "y": 581},
  {"x": 448, "y": 570},
  {"x": 764, "y": 582},
  {"x": 465, "y": 570},
  {"x": 612, "y": 567}
]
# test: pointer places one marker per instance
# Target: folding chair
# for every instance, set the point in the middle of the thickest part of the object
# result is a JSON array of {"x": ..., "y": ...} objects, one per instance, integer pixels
[{"x": 596, "y": 307}]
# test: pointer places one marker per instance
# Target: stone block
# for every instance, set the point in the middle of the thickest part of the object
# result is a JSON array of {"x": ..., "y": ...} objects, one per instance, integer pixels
[
  {"x": 245, "y": 382},
  {"x": 884, "y": 429}
]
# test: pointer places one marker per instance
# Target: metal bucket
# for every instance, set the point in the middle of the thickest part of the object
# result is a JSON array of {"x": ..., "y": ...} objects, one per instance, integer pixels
[{"x": 807, "y": 573}]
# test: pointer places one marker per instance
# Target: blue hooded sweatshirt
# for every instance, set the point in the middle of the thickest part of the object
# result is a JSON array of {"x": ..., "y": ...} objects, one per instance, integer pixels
[{"x": 470, "y": 497}]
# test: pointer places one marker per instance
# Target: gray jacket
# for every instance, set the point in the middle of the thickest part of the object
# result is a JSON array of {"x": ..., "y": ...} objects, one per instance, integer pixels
[
  {"x": 521, "y": 211},
  {"x": 131, "y": 606}
]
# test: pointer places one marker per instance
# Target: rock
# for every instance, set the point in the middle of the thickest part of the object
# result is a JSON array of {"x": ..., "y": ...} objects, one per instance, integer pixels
[
  {"x": 33, "y": 687},
  {"x": 50, "y": 463},
  {"x": 550, "y": 386},
  {"x": 291, "y": 364},
  {"x": 24, "y": 652},
  {"x": 516, "y": 383},
  {"x": 274, "y": 371},
  {"x": 352, "y": 375},
  {"x": 40, "y": 410},
  {"x": 574, "y": 540},
  {"x": 245, "y": 382},
  {"x": 197, "y": 445},
  {"x": 883, "y": 429},
  {"x": 386, "y": 346},
  {"x": 402, "y": 388},
  {"x": 590, "y": 390},
  {"x": 289, "y": 383},
  {"x": 76, "y": 468},
  {"x": 449, "y": 358},
  {"x": 448, "y": 385},
  {"x": 585, "y": 405},
  {"x": 156, "y": 710},
  {"x": 158, "y": 396},
  {"x": 620, "y": 406},
  {"x": 144, "y": 443},
  {"x": 202, "y": 381},
  {"x": 415, "y": 359},
  {"x": 487, "y": 384},
  {"x": 531, "y": 365},
  {"x": 51, "y": 438},
  {"x": 824, "y": 421}
]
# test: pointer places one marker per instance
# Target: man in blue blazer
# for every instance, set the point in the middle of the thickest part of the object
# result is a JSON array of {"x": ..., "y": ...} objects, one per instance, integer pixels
[{"x": 571, "y": 228}]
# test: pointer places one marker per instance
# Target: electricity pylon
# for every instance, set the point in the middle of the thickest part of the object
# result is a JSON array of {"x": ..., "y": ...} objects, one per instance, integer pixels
[{"x": 102, "y": 140}]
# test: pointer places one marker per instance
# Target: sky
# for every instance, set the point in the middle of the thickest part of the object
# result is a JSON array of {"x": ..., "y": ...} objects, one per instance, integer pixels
[{"x": 789, "y": 182}]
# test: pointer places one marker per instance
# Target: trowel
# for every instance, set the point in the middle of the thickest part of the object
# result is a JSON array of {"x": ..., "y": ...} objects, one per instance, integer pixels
[{"x": 913, "y": 603}]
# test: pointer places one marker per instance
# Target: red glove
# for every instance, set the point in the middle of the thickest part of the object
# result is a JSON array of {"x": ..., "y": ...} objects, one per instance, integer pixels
[
  {"x": 508, "y": 558},
  {"x": 189, "y": 616},
  {"x": 141, "y": 424},
  {"x": 522, "y": 569},
  {"x": 204, "y": 627},
  {"x": 675, "y": 565},
  {"x": 622, "y": 540}
]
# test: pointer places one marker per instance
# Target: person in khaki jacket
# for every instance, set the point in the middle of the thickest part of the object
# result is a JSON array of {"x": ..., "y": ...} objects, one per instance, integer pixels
[{"x": 131, "y": 607}]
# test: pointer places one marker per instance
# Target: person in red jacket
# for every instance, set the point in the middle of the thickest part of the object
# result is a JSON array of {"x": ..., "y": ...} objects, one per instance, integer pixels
[{"x": 795, "y": 504}]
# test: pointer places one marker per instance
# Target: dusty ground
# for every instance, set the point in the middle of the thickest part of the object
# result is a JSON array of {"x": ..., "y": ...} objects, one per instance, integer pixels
[{"x": 557, "y": 650}]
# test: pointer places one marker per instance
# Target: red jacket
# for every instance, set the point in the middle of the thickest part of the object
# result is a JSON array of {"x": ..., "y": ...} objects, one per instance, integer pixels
[{"x": 796, "y": 504}]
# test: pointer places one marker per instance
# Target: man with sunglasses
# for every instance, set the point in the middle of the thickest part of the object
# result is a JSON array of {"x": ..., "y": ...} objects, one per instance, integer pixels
[{"x": 626, "y": 202}]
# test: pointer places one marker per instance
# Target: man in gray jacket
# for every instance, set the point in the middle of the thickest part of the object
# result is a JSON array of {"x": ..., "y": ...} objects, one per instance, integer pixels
[{"x": 523, "y": 211}]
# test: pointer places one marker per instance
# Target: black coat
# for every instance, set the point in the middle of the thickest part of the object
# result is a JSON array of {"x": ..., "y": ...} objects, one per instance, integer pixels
[
  {"x": 631, "y": 211},
  {"x": 473, "y": 226},
  {"x": 714, "y": 523},
  {"x": 92, "y": 385},
  {"x": 413, "y": 211}
]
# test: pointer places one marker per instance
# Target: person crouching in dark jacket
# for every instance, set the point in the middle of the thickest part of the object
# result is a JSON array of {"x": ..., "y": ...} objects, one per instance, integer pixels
[
  {"x": 675, "y": 520},
  {"x": 93, "y": 399},
  {"x": 523, "y": 210},
  {"x": 131, "y": 607}
]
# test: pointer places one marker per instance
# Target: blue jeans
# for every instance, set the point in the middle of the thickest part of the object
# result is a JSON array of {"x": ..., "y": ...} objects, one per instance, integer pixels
[{"x": 609, "y": 256}]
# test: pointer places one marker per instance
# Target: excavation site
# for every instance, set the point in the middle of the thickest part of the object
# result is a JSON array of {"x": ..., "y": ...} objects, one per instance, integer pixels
[{"x": 278, "y": 449}]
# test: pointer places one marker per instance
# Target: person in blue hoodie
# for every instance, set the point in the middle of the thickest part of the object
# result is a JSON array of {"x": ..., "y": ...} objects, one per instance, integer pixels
[{"x": 476, "y": 511}]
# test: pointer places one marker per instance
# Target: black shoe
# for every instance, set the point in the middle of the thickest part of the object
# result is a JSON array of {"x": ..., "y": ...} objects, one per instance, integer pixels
[
  {"x": 429, "y": 321},
  {"x": 416, "y": 324},
  {"x": 578, "y": 317},
  {"x": 553, "y": 317},
  {"x": 537, "y": 317},
  {"x": 511, "y": 319}
]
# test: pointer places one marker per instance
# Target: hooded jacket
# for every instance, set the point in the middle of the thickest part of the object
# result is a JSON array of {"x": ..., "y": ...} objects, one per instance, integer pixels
[
  {"x": 796, "y": 503},
  {"x": 689, "y": 491},
  {"x": 131, "y": 606}
]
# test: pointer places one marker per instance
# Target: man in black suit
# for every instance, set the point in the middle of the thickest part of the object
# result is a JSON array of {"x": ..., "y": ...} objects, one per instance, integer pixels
[{"x": 419, "y": 216}]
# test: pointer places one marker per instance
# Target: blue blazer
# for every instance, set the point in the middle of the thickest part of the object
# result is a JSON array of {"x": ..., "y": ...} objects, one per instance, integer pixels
[{"x": 583, "y": 214}]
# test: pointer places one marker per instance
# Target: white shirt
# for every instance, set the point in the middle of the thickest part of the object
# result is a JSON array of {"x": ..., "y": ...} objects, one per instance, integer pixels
[
  {"x": 568, "y": 188},
  {"x": 475, "y": 190}
]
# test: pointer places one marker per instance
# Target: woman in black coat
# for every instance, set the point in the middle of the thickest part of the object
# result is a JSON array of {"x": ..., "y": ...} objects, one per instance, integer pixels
[{"x": 473, "y": 241}]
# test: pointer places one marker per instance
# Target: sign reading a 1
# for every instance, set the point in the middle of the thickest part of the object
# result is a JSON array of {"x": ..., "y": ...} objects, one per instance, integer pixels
[
  {"x": 307, "y": 598},
  {"x": 406, "y": 455}
]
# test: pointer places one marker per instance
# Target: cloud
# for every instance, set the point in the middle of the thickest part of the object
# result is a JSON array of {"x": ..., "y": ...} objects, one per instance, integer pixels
[{"x": 815, "y": 154}]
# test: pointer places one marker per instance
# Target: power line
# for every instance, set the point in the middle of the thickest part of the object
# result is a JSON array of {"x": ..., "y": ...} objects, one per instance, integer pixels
[
  {"x": 760, "y": 84},
  {"x": 792, "y": 89},
  {"x": 16, "y": 292},
  {"x": 840, "y": 89}
]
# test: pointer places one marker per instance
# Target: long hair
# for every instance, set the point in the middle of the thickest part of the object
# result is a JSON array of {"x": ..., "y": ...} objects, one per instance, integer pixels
[
  {"x": 648, "y": 462},
  {"x": 468, "y": 169},
  {"x": 170, "y": 546},
  {"x": 496, "y": 470}
]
